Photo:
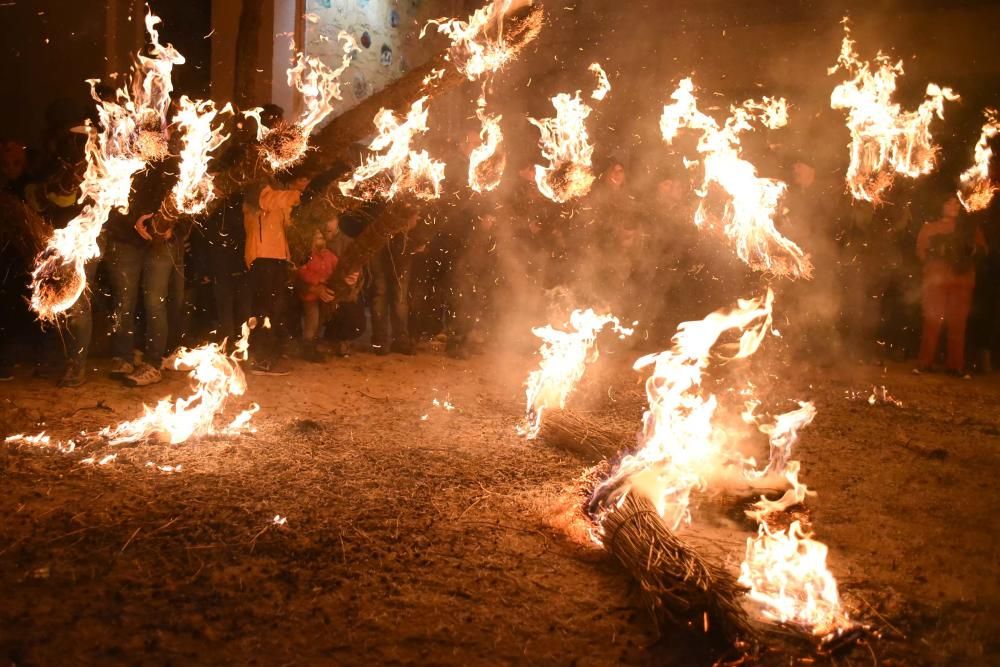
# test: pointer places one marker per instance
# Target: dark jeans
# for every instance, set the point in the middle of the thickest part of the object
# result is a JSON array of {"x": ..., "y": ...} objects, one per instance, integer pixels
[
  {"x": 348, "y": 322},
  {"x": 390, "y": 297},
  {"x": 269, "y": 283},
  {"x": 80, "y": 316},
  {"x": 233, "y": 297},
  {"x": 177, "y": 315},
  {"x": 151, "y": 266}
]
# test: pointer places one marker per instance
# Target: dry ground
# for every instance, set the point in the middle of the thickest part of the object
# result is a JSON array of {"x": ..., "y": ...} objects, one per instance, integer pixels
[{"x": 443, "y": 541}]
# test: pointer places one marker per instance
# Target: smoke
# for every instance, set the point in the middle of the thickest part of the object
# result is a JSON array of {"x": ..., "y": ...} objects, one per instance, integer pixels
[{"x": 635, "y": 251}]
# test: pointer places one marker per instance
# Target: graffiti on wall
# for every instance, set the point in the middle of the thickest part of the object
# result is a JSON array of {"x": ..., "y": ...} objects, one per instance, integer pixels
[{"x": 387, "y": 31}]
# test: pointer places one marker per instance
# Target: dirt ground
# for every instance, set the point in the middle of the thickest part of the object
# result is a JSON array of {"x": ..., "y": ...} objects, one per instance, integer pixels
[{"x": 442, "y": 540}]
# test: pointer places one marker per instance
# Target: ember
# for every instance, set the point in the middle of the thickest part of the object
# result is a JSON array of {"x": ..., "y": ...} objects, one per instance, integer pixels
[{"x": 504, "y": 405}]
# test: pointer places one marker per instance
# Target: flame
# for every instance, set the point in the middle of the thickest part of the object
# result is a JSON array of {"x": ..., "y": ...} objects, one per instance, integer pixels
[
  {"x": 216, "y": 377},
  {"x": 406, "y": 170},
  {"x": 566, "y": 145},
  {"x": 473, "y": 51},
  {"x": 487, "y": 163},
  {"x": 194, "y": 190},
  {"x": 977, "y": 189},
  {"x": 680, "y": 447},
  {"x": 751, "y": 202},
  {"x": 284, "y": 145},
  {"x": 603, "y": 85},
  {"x": 132, "y": 132},
  {"x": 565, "y": 355},
  {"x": 787, "y": 576},
  {"x": 884, "y": 139}
]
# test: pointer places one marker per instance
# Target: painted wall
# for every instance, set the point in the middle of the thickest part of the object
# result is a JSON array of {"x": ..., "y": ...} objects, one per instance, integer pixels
[{"x": 387, "y": 30}]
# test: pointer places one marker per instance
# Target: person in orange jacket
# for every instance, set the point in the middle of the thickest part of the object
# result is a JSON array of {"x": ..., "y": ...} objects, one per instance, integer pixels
[
  {"x": 948, "y": 248},
  {"x": 266, "y": 217}
]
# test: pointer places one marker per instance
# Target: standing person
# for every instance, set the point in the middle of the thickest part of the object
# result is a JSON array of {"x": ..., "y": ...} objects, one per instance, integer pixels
[
  {"x": 135, "y": 259},
  {"x": 947, "y": 247},
  {"x": 219, "y": 245},
  {"x": 266, "y": 218},
  {"x": 348, "y": 321},
  {"x": 390, "y": 292},
  {"x": 317, "y": 299}
]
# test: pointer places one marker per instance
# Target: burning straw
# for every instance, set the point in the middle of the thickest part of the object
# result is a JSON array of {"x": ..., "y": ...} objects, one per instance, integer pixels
[{"x": 681, "y": 588}]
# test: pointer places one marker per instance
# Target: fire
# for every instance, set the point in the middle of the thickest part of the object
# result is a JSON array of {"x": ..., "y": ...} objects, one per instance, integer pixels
[
  {"x": 565, "y": 355},
  {"x": 194, "y": 190},
  {"x": 284, "y": 145},
  {"x": 216, "y": 377},
  {"x": 566, "y": 145},
  {"x": 131, "y": 133},
  {"x": 787, "y": 576},
  {"x": 680, "y": 447},
  {"x": 487, "y": 163},
  {"x": 405, "y": 170},
  {"x": 473, "y": 51},
  {"x": 751, "y": 202},
  {"x": 884, "y": 139},
  {"x": 603, "y": 85},
  {"x": 977, "y": 189}
]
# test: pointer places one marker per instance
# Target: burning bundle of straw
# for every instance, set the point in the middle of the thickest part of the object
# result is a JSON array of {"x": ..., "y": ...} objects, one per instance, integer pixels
[{"x": 681, "y": 588}]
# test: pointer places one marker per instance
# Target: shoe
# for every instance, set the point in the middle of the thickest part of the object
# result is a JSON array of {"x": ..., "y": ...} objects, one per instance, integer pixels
[
  {"x": 144, "y": 375},
  {"x": 5, "y": 374},
  {"x": 121, "y": 367},
  {"x": 266, "y": 367},
  {"x": 169, "y": 362},
  {"x": 920, "y": 370},
  {"x": 342, "y": 348},
  {"x": 380, "y": 350},
  {"x": 74, "y": 376},
  {"x": 403, "y": 347}
]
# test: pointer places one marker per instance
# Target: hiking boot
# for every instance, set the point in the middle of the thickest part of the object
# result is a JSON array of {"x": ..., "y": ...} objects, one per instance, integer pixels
[
  {"x": 121, "y": 367},
  {"x": 144, "y": 375},
  {"x": 403, "y": 347},
  {"x": 74, "y": 376},
  {"x": 266, "y": 367}
]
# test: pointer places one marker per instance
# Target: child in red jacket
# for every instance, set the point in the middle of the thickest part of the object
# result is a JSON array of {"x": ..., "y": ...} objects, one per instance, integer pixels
[{"x": 317, "y": 299}]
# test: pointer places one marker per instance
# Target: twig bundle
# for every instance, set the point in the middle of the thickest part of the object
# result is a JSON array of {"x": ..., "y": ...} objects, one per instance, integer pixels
[
  {"x": 579, "y": 435},
  {"x": 682, "y": 589}
]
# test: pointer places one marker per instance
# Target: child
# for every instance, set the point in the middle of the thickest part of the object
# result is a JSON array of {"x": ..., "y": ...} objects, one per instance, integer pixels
[{"x": 317, "y": 299}]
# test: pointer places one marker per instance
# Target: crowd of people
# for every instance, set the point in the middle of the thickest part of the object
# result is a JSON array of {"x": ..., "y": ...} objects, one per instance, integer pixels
[{"x": 470, "y": 269}]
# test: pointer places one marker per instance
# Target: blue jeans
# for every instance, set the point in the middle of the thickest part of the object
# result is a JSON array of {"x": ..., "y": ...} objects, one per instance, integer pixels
[
  {"x": 80, "y": 317},
  {"x": 151, "y": 266}
]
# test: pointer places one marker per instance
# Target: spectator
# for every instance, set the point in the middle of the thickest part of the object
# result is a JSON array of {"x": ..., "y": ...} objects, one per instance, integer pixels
[
  {"x": 134, "y": 259},
  {"x": 348, "y": 321},
  {"x": 317, "y": 299},
  {"x": 266, "y": 216},
  {"x": 948, "y": 248},
  {"x": 390, "y": 292}
]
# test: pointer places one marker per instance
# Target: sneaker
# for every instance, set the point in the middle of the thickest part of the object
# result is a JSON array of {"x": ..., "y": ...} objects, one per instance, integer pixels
[
  {"x": 266, "y": 367},
  {"x": 403, "y": 347},
  {"x": 121, "y": 367},
  {"x": 74, "y": 376},
  {"x": 380, "y": 350},
  {"x": 169, "y": 362},
  {"x": 144, "y": 375},
  {"x": 342, "y": 348}
]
